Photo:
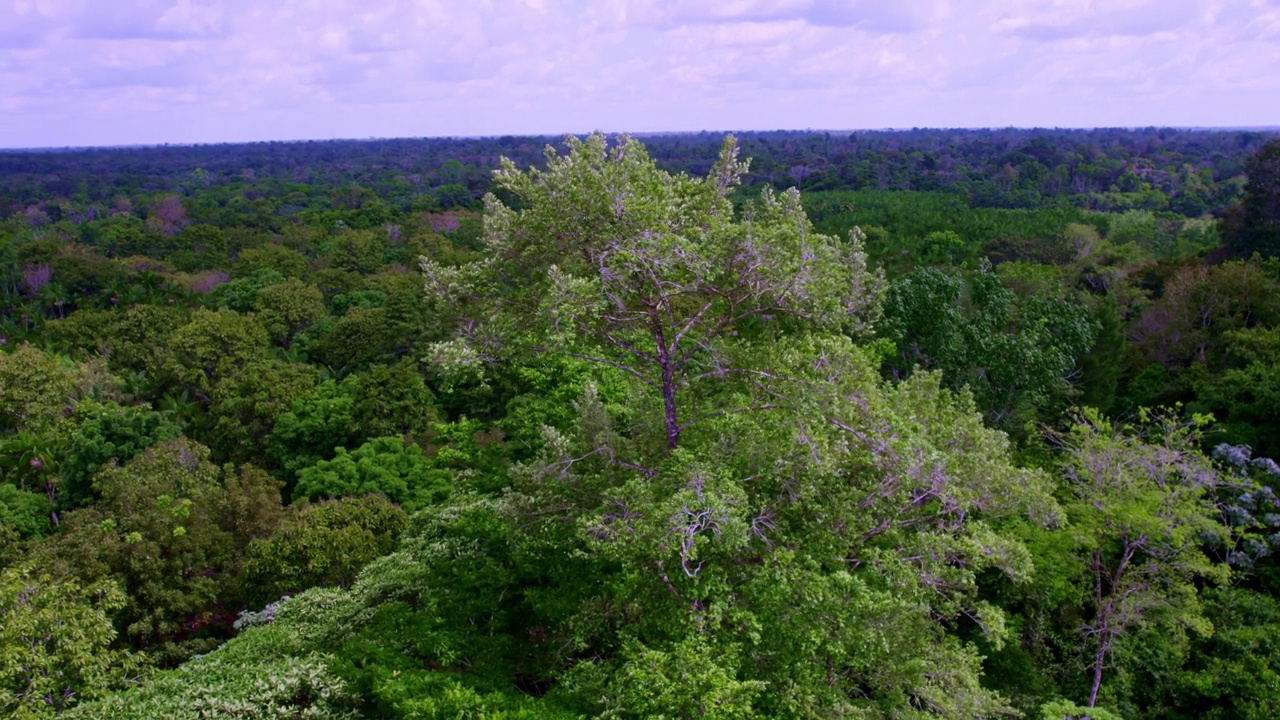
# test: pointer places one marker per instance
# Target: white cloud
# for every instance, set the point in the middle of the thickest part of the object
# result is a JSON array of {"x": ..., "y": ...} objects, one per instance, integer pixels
[{"x": 87, "y": 71}]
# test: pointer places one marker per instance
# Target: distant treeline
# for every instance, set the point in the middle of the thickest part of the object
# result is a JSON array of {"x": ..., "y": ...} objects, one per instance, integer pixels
[{"x": 1190, "y": 172}]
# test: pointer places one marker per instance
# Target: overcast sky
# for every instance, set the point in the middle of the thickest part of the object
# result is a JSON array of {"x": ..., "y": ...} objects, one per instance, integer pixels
[{"x": 97, "y": 72}]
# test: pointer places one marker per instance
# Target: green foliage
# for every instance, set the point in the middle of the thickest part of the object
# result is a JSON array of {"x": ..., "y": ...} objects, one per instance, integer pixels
[
  {"x": 1199, "y": 306},
  {"x": 380, "y": 401},
  {"x": 362, "y": 336},
  {"x": 690, "y": 680},
  {"x": 1254, "y": 225},
  {"x": 321, "y": 544},
  {"x": 271, "y": 257},
  {"x": 314, "y": 425},
  {"x": 1015, "y": 357},
  {"x": 240, "y": 295},
  {"x": 247, "y": 404},
  {"x": 931, "y": 227},
  {"x": 677, "y": 478},
  {"x": 107, "y": 432},
  {"x": 35, "y": 389},
  {"x": 391, "y": 400},
  {"x": 133, "y": 340},
  {"x": 1233, "y": 673},
  {"x": 1139, "y": 513},
  {"x": 1246, "y": 399},
  {"x": 212, "y": 347},
  {"x": 650, "y": 273},
  {"x": 23, "y": 516},
  {"x": 251, "y": 678},
  {"x": 360, "y": 251},
  {"x": 288, "y": 308},
  {"x": 162, "y": 531},
  {"x": 382, "y": 465},
  {"x": 55, "y": 644},
  {"x": 30, "y": 459},
  {"x": 1065, "y": 710}
]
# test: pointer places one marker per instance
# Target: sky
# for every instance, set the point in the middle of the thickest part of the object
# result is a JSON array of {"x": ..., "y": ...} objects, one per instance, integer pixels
[{"x": 114, "y": 72}]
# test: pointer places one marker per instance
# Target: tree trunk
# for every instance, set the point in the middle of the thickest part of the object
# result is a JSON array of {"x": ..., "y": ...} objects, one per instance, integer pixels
[
  {"x": 669, "y": 404},
  {"x": 1097, "y": 672}
]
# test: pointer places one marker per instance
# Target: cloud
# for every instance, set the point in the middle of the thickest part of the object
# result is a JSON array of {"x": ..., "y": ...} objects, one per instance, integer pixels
[
  {"x": 77, "y": 71},
  {"x": 147, "y": 19},
  {"x": 25, "y": 25},
  {"x": 163, "y": 76},
  {"x": 875, "y": 15},
  {"x": 1064, "y": 19}
]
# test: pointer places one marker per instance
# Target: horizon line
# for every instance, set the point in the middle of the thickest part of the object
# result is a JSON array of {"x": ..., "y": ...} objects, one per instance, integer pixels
[{"x": 640, "y": 134}]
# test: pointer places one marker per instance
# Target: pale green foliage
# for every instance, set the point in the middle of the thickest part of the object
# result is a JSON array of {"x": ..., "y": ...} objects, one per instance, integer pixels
[
  {"x": 253, "y": 677},
  {"x": 212, "y": 346},
  {"x": 286, "y": 309},
  {"x": 692, "y": 679},
  {"x": 325, "y": 543},
  {"x": 54, "y": 644},
  {"x": 819, "y": 547},
  {"x": 613, "y": 260},
  {"x": 35, "y": 389},
  {"x": 1064, "y": 710},
  {"x": 1140, "y": 516}
]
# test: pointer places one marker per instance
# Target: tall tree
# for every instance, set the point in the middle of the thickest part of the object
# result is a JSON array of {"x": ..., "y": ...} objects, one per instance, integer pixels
[
  {"x": 613, "y": 260},
  {"x": 1254, "y": 224},
  {"x": 1141, "y": 512}
]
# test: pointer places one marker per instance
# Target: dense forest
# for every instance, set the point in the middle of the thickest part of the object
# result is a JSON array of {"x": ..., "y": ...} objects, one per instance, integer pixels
[{"x": 915, "y": 424}]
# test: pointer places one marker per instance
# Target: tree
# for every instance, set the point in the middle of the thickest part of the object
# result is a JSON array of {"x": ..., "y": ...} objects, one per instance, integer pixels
[
  {"x": 1140, "y": 512},
  {"x": 391, "y": 400},
  {"x": 247, "y": 404},
  {"x": 212, "y": 347},
  {"x": 1016, "y": 357},
  {"x": 106, "y": 432},
  {"x": 361, "y": 251},
  {"x": 35, "y": 389},
  {"x": 758, "y": 507},
  {"x": 55, "y": 644},
  {"x": 288, "y": 308},
  {"x": 23, "y": 516},
  {"x": 314, "y": 426},
  {"x": 321, "y": 544},
  {"x": 382, "y": 465},
  {"x": 271, "y": 256},
  {"x": 1253, "y": 226},
  {"x": 1246, "y": 399},
  {"x": 1199, "y": 305},
  {"x": 360, "y": 337},
  {"x": 614, "y": 261},
  {"x": 162, "y": 531}
]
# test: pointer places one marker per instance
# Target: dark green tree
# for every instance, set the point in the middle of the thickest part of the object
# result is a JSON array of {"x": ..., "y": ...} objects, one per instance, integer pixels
[{"x": 1253, "y": 226}]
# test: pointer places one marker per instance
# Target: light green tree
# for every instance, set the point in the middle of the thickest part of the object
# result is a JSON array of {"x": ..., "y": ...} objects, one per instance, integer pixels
[
  {"x": 55, "y": 644},
  {"x": 612, "y": 260},
  {"x": 212, "y": 347},
  {"x": 1141, "y": 514},
  {"x": 288, "y": 308}
]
